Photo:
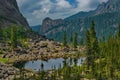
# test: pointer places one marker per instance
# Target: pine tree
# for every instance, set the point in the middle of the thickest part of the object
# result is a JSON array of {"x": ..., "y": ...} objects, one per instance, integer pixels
[
  {"x": 71, "y": 38},
  {"x": 92, "y": 48},
  {"x": 64, "y": 39},
  {"x": 75, "y": 40},
  {"x": 81, "y": 42},
  {"x": 88, "y": 39},
  {"x": 118, "y": 33},
  {"x": 94, "y": 41},
  {"x": 13, "y": 37},
  {"x": 1, "y": 34},
  {"x": 88, "y": 46},
  {"x": 92, "y": 30}
]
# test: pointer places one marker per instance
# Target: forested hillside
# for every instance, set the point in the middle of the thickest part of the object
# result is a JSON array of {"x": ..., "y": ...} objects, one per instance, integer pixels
[{"x": 106, "y": 17}]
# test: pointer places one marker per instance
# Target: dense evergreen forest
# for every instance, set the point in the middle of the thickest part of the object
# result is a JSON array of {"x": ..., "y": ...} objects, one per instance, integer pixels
[{"x": 103, "y": 56}]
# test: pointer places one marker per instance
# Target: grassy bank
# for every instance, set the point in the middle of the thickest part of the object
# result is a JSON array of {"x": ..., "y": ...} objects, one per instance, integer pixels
[{"x": 3, "y": 60}]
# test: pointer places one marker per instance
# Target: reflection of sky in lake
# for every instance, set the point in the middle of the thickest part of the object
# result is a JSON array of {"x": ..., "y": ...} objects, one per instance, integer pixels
[{"x": 52, "y": 63}]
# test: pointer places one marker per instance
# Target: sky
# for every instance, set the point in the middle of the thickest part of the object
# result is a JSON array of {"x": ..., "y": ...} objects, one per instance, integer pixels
[{"x": 37, "y": 10}]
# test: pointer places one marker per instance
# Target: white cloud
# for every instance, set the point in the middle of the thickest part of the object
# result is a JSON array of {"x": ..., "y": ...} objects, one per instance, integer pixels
[
  {"x": 63, "y": 4},
  {"x": 36, "y": 10},
  {"x": 83, "y": 4},
  {"x": 53, "y": 10},
  {"x": 20, "y": 2}
]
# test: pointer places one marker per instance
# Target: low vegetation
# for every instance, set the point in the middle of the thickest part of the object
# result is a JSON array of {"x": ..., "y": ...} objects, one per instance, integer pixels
[{"x": 11, "y": 38}]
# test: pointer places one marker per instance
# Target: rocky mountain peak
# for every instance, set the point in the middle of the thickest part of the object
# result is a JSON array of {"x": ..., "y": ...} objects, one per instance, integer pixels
[
  {"x": 47, "y": 19},
  {"x": 110, "y": 6},
  {"x": 10, "y": 14},
  {"x": 106, "y": 16},
  {"x": 49, "y": 23}
]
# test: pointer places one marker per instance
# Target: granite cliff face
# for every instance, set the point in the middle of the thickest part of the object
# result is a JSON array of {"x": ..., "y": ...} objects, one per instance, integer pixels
[
  {"x": 49, "y": 23},
  {"x": 10, "y": 14}
]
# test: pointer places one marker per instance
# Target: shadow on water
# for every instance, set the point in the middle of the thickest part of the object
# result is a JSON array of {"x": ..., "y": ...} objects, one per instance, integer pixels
[{"x": 20, "y": 65}]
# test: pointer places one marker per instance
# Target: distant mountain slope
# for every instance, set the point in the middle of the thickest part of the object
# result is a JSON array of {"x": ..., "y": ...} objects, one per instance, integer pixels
[
  {"x": 36, "y": 28},
  {"x": 110, "y": 6},
  {"x": 10, "y": 14},
  {"x": 106, "y": 17}
]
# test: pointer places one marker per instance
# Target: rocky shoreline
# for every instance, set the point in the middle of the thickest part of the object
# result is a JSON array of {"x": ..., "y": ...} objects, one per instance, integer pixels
[
  {"x": 27, "y": 57},
  {"x": 7, "y": 72},
  {"x": 40, "y": 48}
]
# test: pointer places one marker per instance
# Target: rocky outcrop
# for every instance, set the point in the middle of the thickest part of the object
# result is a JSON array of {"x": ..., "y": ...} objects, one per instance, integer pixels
[
  {"x": 38, "y": 48},
  {"x": 110, "y": 6},
  {"x": 49, "y": 24},
  {"x": 10, "y": 14},
  {"x": 7, "y": 72}
]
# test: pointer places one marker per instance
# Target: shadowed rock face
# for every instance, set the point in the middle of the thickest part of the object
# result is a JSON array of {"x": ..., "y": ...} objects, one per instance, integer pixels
[
  {"x": 49, "y": 23},
  {"x": 10, "y": 14}
]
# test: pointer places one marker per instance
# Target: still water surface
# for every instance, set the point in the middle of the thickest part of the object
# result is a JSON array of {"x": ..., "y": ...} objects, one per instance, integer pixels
[{"x": 50, "y": 64}]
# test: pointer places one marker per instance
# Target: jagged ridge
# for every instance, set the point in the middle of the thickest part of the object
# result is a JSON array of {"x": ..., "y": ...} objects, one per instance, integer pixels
[{"x": 106, "y": 17}]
